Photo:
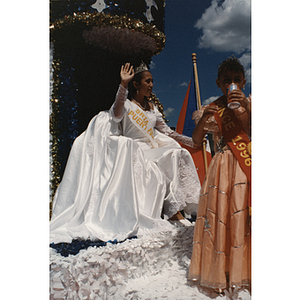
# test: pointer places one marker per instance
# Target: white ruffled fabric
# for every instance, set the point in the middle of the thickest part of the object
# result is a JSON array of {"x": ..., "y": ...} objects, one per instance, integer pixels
[
  {"x": 116, "y": 186},
  {"x": 152, "y": 267}
]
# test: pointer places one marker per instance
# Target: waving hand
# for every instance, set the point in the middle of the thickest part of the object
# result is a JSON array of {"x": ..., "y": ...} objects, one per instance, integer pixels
[{"x": 126, "y": 74}]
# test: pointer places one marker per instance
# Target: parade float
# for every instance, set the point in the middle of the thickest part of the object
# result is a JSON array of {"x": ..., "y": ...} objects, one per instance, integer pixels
[{"x": 90, "y": 40}]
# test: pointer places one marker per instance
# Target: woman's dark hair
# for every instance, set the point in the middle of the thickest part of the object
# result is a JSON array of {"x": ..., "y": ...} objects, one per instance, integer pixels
[
  {"x": 230, "y": 64},
  {"x": 131, "y": 89}
]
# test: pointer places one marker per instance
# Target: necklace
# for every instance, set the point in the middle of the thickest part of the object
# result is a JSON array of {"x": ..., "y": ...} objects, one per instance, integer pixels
[{"x": 139, "y": 104}]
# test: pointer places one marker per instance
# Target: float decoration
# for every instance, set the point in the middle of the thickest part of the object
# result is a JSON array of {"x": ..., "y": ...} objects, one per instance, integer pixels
[{"x": 90, "y": 41}]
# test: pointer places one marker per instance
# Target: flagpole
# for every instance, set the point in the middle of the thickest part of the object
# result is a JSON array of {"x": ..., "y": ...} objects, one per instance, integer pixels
[{"x": 194, "y": 59}]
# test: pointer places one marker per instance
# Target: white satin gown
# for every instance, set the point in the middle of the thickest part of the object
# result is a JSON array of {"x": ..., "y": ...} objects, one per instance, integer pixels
[{"x": 120, "y": 182}]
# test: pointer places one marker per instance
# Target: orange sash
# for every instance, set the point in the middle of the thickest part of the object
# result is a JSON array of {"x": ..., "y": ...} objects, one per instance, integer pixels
[{"x": 234, "y": 136}]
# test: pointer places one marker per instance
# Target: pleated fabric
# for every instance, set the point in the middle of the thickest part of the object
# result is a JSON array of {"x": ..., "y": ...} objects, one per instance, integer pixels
[{"x": 222, "y": 240}]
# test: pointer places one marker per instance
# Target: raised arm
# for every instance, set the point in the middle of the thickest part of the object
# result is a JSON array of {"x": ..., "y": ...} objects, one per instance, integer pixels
[
  {"x": 126, "y": 75},
  {"x": 243, "y": 114},
  {"x": 199, "y": 131}
]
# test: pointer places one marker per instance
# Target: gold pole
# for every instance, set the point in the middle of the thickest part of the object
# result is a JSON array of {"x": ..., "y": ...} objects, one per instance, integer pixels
[{"x": 194, "y": 59}]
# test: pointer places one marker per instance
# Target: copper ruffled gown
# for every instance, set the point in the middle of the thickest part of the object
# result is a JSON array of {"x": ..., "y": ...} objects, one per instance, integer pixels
[{"x": 222, "y": 238}]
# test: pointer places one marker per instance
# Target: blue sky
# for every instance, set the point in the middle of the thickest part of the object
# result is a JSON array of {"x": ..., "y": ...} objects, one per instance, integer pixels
[{"x": 214, "y": 30}]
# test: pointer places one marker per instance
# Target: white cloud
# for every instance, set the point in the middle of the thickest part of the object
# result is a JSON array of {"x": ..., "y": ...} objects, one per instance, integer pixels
[
  {"x": 184, "y": 84},
  {"x": 245, "y": 61},
  {"x": 226, "y": 26},
  {"x": 169, "y": 111},
  {"x": 210, "y": 100},
  {"x": 152, "y": 65}
]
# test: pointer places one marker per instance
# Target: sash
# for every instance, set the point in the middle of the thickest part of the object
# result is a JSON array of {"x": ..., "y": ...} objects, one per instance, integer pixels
[
  {"x": 235, "y": 137},
  {"x": 140, "y": 120}
]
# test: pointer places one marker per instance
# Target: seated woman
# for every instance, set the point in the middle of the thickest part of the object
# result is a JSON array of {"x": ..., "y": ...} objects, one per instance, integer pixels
[{"x": 126, "y": 174}]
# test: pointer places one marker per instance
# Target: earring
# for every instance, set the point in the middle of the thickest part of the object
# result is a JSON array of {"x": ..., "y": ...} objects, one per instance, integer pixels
[
  {"x": 243, "y": 87},
  {"x": 137, "y": 92}
]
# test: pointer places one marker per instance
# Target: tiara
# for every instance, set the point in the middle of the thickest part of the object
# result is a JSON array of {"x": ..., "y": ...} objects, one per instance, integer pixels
[{"x": 141, "y": 68}]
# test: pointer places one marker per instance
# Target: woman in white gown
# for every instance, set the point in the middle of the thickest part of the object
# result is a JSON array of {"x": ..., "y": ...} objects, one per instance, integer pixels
[{"x": 126, "y": 174}]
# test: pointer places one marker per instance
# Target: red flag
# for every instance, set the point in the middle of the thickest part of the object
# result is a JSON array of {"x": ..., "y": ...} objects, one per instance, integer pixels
[{"x": 185, "y": 125}]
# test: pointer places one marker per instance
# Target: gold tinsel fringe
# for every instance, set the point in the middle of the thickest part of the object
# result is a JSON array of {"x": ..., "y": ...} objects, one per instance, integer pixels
[
  {"x": 158, "y": 104},
  {"x": 54, "y": 130},
  {"x": 115, "y": 21}
]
